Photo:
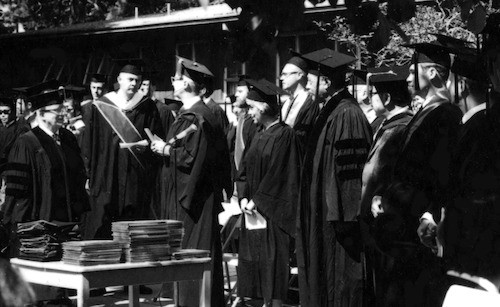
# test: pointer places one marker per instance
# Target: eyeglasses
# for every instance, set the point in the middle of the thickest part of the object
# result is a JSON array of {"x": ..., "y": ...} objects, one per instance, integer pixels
[
  {"x": 173, "y": 79},
  {"x": 286, "y": 74},
  {"x": 5, "y": 112}
]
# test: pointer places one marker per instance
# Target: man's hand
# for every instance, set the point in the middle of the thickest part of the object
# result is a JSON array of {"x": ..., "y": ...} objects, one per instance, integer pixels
[
  {"x": 247, "y": 206},
  {"x": 87, "y": 186},
  {"x": 161, "y": 148},
  {"x": 377, "y": 205},
  {"x": 427, "y": 233}
]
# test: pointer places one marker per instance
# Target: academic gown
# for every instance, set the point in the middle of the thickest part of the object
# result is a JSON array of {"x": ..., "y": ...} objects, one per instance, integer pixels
[
  {"x": 420, "y": 183},
  {"x": 44, "y": 180},
  {"x": 248, "y": 133},
  {"x": 376, "y": 177},
  {"x": 378, "y": 169},
  {"x": 470, "y": 229},
  {"x": 193, "y": 178},
  {"x": 166, "y": 116},
  {"x": 8, "y": 135},
  {"x": 270, "y": 174},
  {"x": 304, "y": 122},
  {"x": 167, "y": 119},
  {"x": 120, "y": 188},
  {"x": 328, "y": 244},
  {"x": 219, "y": 114}
]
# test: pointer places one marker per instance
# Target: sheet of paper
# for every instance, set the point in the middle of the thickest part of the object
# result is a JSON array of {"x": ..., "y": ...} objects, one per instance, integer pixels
[{"x": 255, "y": 221}]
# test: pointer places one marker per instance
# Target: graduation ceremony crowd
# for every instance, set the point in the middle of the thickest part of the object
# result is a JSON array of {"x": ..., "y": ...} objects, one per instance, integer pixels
[{"x": 383, "y": 199}]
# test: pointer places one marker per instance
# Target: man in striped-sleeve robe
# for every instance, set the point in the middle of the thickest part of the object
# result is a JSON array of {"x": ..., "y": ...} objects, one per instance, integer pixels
[{"x": 329, "y": 241}]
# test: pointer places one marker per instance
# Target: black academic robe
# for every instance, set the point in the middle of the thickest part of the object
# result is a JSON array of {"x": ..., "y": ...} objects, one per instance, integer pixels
[
  {"x": 329, "y": 198},
  {"x": 8, "y": 135},
  {"x": 166, "y": 116},
  {"x": 120, "y": 185},
  {"x": 44, "y": 181},
  {"x": 270, "y": 174},
  {"x": 420, "y": 183},
  {"x": 220, "y": 115},
  {"x": 304, "y": 122},
  {"x": 423, "y": 167},
  {"x": 377, "y": 175},
  {"x": 193, "y": 178},
  {"x": 470, "y": 229},
  {"x": 379, "y": 166}
]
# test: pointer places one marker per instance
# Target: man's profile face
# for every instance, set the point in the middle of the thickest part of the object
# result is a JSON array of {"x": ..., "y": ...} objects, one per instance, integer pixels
[
  {"x": 312, "y": 85},
  {"x": 129, "y": 83},
  {"x": 423, "y": 78},
  {"x": 96, "y": 90},
  {"x": 53, "y": 115},
  {"x": 241, "y": 93},
  {"x": 290, "y": 76}
]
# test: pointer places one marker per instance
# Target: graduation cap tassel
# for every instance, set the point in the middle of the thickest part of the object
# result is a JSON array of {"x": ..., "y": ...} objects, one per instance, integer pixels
[
  {"x": 415, "y": 64},
  {"x": 457, "y": 99},
  {"x": 317, "y": 82}
]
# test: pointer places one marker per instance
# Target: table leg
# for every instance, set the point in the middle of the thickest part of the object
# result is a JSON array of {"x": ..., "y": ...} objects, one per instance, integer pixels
[
  {"x": 133, "y": 296},
  {"x": 205, "y": 289},
  {"x": 176, "y": 294},
  {"x": 82, "y": 292}
]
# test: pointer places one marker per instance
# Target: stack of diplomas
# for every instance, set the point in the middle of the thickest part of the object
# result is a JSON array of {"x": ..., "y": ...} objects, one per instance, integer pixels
[
  {"x": 92, "y": 252},
  {"x": 148, "y": 240}
]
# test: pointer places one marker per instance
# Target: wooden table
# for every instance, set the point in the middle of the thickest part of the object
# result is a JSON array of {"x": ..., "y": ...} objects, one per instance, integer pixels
[{"x": 83, "y": 278}]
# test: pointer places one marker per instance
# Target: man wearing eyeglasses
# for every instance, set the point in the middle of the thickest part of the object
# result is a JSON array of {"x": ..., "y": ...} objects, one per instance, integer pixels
[
  {"x": 194, "y": 174},
  {"x": 299, "y": 111},
  {"x": 45, "y": 176}
]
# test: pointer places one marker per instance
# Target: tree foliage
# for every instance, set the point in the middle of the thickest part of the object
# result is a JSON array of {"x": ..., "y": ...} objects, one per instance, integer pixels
[
  {"x": 40, "y": 14},
  {"x": 443, "y": 18}
]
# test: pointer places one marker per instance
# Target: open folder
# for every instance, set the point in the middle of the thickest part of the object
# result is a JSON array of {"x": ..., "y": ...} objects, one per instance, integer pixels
[{"x": 255, "y": 221}]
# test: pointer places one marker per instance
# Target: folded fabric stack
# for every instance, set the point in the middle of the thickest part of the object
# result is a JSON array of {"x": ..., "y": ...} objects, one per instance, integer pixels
[
  {"x": 190, "y": 254},
  {"x": 41, "y": 240},
  {"x": 148, "y": 240},
  {"x": 92, "y": 252}
]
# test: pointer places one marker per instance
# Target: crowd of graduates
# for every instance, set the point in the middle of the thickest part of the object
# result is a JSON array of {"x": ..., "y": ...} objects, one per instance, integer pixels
[{"x": 383, "y": 199}]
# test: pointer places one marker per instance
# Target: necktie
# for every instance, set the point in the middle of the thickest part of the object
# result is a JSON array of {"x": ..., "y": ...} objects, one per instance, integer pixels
[
  {"x": 56, "y": 138},
  {"x": 239, "y": 145},
  {"x": 289, "y": 108}
]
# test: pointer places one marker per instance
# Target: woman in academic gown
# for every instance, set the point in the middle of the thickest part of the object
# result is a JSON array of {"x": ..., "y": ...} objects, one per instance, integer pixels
[{"x": 269, "y": 176}]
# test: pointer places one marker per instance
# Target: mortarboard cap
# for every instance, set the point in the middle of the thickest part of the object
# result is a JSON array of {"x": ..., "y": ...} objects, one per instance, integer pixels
[
  {"x": 391, "y": 80},
  {"x": 239, "y": 80},
  {"x": 264, "y": 92},
  {"x": 433, "y": 52},
  {"x": 197, "y": 72},
  {"x": 325, "y": 61},
  {"x": 358, "y": 76},
  {"x": 299, "y": 62},
  {"x": 6, "y": 101},
  {"x": 130, "y": 66},
  {"x": 470, "y": 69},
  {"x": 387, "y": 74},
  {"x": 492, "y": 25},
  {"x": 101, "y": 78},
  {"x": 74, "y": 91},
  {"x": 20, "y": 89},
  {"x": 47, "y": 98},
  {"x": 42, "y": 87},
  {"x": 455, "y": 45}
]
